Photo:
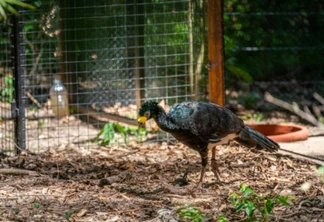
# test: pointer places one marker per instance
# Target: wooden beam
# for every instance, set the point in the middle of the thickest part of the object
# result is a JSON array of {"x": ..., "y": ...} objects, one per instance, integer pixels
[
  {"x": 103, "y": 116},
  {"x": 216, "y": 52}
]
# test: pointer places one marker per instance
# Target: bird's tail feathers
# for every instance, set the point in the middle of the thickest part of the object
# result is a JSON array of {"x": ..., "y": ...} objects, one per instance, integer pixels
[{"x": 252, "y": 138}]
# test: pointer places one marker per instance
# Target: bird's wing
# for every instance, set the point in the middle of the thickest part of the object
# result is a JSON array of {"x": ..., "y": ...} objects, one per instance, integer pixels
[
  {"x": 180, "y": 115},
  {"x": 207, "y": 120}
]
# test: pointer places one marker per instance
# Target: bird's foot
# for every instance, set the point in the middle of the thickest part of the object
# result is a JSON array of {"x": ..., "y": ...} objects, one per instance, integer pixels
[
  {"x": 215, "y": 169},
  {"x": 195, "y": 188}
]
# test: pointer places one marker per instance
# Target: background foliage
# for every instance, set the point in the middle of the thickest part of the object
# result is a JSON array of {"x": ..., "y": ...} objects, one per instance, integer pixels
[
  {"x": 273, "y": 39},
  {"x": 264, "y": 39}
]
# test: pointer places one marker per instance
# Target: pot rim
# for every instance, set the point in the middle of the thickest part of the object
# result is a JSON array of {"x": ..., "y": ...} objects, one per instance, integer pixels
[{"x": 300, "y": 134}]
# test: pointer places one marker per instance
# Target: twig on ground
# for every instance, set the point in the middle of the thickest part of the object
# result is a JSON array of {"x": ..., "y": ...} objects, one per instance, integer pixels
[
  {"x": 14, "y": 171},
  {"x": 319, "y": 98},
  {"x": 310, "y": 118},
  {"x": 317, "y": 111},
  {"x": 307, "y": 110}
]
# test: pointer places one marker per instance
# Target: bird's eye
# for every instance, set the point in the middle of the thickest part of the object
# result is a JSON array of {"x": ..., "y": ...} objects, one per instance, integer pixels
[{"x": 147, "y": 114}]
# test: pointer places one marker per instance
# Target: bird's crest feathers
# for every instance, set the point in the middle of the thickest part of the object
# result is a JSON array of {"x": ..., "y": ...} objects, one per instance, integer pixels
[{"x": 149, "y": 106}]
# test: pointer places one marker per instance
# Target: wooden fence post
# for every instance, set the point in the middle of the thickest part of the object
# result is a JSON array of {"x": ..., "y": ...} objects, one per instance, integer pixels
[{"x": 216, "y": 52}]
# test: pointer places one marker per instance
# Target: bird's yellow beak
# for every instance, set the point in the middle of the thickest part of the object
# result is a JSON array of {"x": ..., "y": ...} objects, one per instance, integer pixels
[{"x": 141, "y": 120}]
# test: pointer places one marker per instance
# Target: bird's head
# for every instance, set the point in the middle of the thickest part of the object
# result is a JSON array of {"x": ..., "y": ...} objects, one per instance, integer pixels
[{"x": 148, "y": 110}]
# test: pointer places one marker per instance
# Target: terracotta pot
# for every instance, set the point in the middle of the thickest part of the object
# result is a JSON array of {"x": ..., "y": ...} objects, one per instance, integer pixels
[{"x": 282, "y": 132}]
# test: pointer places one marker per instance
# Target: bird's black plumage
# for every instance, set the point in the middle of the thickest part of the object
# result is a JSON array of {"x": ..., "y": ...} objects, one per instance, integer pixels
[{"x": 198, "y": 124}]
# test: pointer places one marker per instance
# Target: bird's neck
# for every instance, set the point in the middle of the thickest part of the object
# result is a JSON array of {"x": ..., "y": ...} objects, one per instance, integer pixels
[{"x": 164, "y": 122}]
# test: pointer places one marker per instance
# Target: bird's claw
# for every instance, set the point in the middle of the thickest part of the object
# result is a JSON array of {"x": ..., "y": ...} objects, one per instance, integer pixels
[
  {"x": 215, "y": 169},
  {"x": 196, "y": 187}
]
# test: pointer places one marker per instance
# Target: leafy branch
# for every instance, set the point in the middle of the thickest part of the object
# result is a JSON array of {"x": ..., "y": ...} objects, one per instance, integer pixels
[
  {"x": 7, "y": 6},
  {"x": 108, "y": 133}
]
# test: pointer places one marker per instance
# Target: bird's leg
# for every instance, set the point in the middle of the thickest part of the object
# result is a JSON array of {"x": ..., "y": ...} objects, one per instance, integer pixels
[
  {"x": 204, "y": 162},
  {"x": 213, "y": 164},
  {"x": 202, "y": 174}
]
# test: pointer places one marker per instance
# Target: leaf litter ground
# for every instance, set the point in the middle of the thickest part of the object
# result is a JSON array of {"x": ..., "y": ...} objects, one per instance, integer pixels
[{"x": 138, "y": 182}]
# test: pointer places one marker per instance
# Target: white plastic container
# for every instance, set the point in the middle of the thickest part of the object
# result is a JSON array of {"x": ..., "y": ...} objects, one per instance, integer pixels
[{"x": 59, "y": 99}]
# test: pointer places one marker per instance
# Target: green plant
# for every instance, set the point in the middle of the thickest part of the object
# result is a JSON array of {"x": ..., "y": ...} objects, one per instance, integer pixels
[
  {"x": 7, "y": 6},
  {"x": 250, "y": 202},
  {"x": 242, "y": 74},
  {"x": 257, "y": 116},
  {"x": 8, "y": 92},
  {"x": 249, "y": 99},
  {"x": 68, "y": 214},
  {"x": 320, "y": 172},
  {"x": 139, "y": 133},
  {"x": 191, "y": 213},
  {"x": 36, "y": 204},
  {"x": 108, "y": 132},
  {"x": 222, "y": 218},
  {"x": 123, "y": 131}
]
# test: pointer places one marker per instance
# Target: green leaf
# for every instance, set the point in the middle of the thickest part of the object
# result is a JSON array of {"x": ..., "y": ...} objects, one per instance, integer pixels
[
  {"x": 268, "y": 206},
  {"x": 108, "y": 133},
  {"x": 36, "y": 205},
  {"x": 3, "y": 3},
  {"x": 19, "y": 3},
  {"x": 68, "y": 214},
  {"x": 320, "y": 170},
  {"x": 249, "y": 210},
  {"x": 12, "y": 10},
  {"x": 6, "y": 6},
  {"x": 142, "y": 132},
  {"x": 240, "y": 207},
  {"x": 191, "y": 213},
  {"x": 232, "y": 197},
  {"x": 120, "y": 128},
  {"x": 248, "y": 192},
  {"x": 282, "y": 200},
  {"x": 2, "y": 12},
  {"x": 98, "y": 135},
  {"x": 243, "y": 187},
  {"x": 239, "y": 72},
  {"x": 222, "y": 218},
  {"x": 123, "y": 131}
]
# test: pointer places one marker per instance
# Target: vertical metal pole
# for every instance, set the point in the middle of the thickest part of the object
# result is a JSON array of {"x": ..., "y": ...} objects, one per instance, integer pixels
[
  {"x": 18, "y": 70},
  {"x": 137, "y": 10},
  {"x": 216, "y": 52}
]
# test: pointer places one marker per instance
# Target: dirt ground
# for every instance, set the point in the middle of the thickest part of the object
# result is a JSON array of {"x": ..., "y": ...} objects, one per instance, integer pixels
[
  {"x": 69, "y": 180},
  {"x": 138, "y": 182}
]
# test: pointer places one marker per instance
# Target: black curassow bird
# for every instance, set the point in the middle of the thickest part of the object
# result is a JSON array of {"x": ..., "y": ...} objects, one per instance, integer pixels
[{"x": 200, "y": 124}]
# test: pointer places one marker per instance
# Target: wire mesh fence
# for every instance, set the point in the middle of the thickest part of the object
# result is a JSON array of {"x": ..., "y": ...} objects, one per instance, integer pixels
[
  {"x": 6, "y": 89},
  {"x": 113, "y": 55},
  {"x": 110, "y": 55}
]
